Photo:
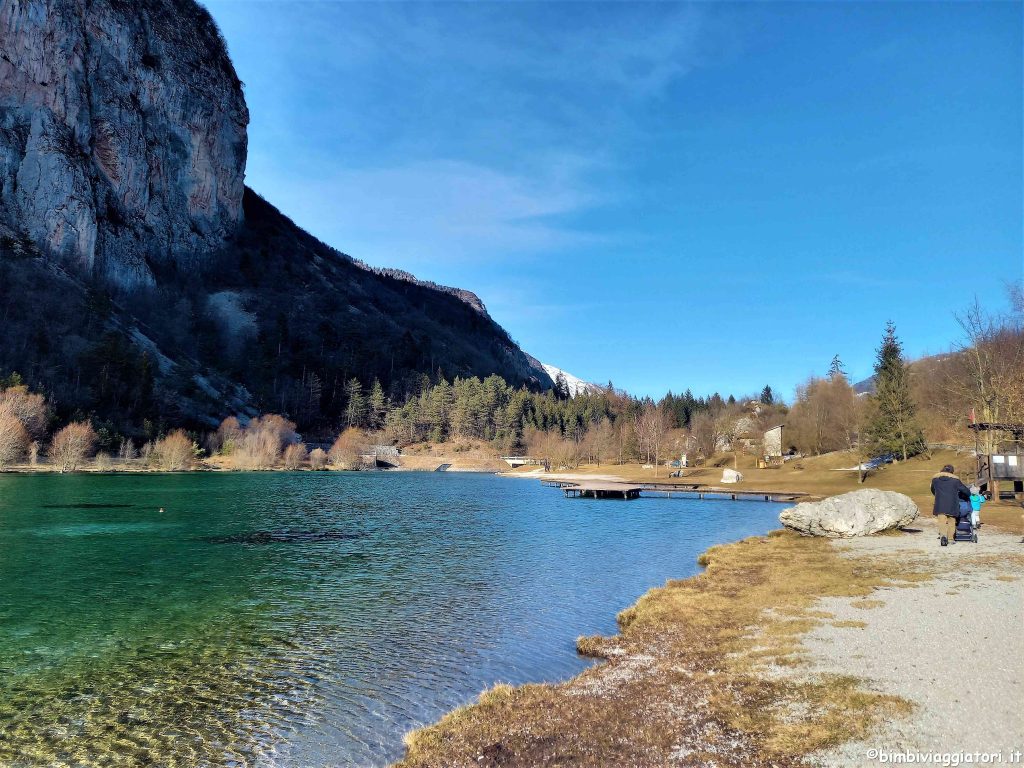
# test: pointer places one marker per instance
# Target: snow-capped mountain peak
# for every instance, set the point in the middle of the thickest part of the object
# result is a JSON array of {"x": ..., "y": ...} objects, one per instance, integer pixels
[{"x": 576, "y": 385}]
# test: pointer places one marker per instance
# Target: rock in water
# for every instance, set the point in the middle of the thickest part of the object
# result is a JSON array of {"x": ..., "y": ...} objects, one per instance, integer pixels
[
  {"x": 858, "y": 513},
  {"x": 122, "y": 133}
]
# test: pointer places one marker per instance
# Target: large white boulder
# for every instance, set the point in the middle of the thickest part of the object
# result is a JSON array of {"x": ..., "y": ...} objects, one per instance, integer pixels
[
  {"x": 731, "y": 476},
  {"x": 858, "y": 513}
]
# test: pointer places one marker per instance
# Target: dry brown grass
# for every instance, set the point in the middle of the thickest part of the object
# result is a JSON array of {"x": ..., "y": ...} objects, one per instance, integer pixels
[
  {"x": 1005, "y": 515},
  {"x": 690, "y": 674},
  {"x": 868, "y": 604}
]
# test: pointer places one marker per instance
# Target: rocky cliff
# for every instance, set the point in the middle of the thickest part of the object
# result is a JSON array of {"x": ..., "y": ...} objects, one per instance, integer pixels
[
  {"x": 122, "y": 133},
  {"x": 143, "y": 283}
]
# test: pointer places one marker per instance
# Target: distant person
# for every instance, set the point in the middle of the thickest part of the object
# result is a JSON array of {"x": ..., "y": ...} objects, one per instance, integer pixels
[
  {"x": 976, "y": 501},
  {"x": 948, "y": 491}
]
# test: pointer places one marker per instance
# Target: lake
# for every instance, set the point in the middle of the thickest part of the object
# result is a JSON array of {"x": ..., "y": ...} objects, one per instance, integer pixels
[{"x": 304, "y": 618}]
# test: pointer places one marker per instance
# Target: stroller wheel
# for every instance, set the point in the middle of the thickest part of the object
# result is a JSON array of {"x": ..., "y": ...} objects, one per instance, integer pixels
[
  {"x": 943, "y": 541},
  {"x": 974, "y": 538}
]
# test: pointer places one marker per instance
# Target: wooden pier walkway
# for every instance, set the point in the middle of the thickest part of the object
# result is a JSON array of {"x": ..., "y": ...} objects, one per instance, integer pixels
[
  {"x": 617, "y": 490},
  {"x": 602, "y": 490}
]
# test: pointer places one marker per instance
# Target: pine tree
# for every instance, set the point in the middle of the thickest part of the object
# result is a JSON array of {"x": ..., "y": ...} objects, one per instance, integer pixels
[
  {"x": 561, "y": 387},
  {"x": 767, "y": 396},
  {"x": 892, "y": 426},
  {"x": 355, "y": 409},
  {"x": 836, "y": 368},
  {"x": 378, "y": 405}
]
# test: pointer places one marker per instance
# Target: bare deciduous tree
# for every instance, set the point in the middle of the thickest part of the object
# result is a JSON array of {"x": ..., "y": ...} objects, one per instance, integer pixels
[
  {"x": 990, "y": 377},
  {"x": 14, "y": 439},
  {"x": 261, "y": 442},
  {"x": 651, "y": 424},
  {"x": 227, "y": 435},
  {"x": 318, "y": 459},
  {"x": 347, "y": 450},
  {"x": 825, "y": 416},
  {"x": 28, "y": 407},
  {"x": 127, "y": 451},
  {"x": 72, "y": 445},
  {"x": 276, "y": 425},
  {"x": 175, "y": 452},
  {"x": 705, "y": 432},
  {"x": 295, "y": 456}
]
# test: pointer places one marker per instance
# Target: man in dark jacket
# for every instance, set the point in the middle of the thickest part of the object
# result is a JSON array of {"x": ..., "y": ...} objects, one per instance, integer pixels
[{"x": 948, "y": 490}]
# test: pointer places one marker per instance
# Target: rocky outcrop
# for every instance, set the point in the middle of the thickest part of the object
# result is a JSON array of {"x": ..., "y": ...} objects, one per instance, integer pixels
[
  {"x": 858, "y": 513},
  {"x": 122, "y": 134},
  {"x": 400, "y": 274}
]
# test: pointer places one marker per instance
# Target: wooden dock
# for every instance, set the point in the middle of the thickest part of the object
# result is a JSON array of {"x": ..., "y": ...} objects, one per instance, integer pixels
[
  {"x": 602, "y": 490},
  {"x": 724, "y": 493},
  {"x": 615, "y": 490}
]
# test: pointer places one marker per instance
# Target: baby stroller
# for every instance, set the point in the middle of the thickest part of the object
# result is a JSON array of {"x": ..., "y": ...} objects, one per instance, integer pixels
[{"x": 965, "y": 530}]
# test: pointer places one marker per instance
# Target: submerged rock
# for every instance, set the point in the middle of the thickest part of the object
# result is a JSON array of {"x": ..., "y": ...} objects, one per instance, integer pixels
[
  {"x": 858, "y": 513},
  {"x": 281, "y": 537}
]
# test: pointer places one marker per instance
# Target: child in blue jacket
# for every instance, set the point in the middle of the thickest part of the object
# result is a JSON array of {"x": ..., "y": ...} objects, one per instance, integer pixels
[{"x": 976, "y": 501}]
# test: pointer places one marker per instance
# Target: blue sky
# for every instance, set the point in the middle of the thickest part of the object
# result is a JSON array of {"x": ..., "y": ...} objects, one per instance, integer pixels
[{"x": 713, "y": 196}]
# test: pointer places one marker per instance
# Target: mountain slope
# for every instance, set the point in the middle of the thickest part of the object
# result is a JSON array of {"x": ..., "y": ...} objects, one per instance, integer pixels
[{"x": 141, "y": 281}]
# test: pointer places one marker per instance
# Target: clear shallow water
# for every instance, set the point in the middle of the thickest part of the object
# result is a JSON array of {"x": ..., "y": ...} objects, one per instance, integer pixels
[{"x": 308, "y": 618}]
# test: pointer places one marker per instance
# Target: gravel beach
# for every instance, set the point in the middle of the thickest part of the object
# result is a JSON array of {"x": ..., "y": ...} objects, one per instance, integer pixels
[{"x": 953, "y": 646}]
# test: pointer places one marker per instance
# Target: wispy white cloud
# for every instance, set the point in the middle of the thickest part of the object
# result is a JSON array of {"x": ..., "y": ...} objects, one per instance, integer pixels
[
  {"x": 417, "y": 214},
  {"x": 534, "y": 108},
  {"x": 639, "y": 50}
]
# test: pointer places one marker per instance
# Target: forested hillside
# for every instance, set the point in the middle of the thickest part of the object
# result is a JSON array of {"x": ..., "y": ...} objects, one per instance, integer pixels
[{"x": 276, "y": 321}]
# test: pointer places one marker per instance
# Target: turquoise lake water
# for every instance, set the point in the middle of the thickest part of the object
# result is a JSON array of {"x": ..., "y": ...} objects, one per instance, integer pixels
[{"x": 304, "y": 618}]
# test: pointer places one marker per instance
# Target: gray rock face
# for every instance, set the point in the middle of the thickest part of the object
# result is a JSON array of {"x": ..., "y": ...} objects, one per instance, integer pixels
[
  {"x": 122, "y": 133},
  {"x": 858, "y": 513}
]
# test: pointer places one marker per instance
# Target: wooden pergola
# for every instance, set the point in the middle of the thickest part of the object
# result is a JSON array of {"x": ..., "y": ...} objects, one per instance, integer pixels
[{"x": 1002, "y": 465}]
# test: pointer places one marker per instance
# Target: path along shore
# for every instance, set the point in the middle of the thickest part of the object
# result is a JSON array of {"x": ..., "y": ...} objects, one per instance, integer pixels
[
  {"x": 953, "y": 646},
  {"x": 785, "y": 651}
]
